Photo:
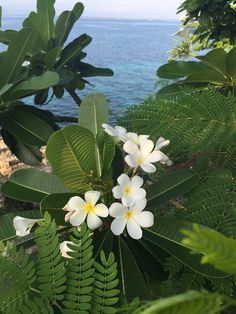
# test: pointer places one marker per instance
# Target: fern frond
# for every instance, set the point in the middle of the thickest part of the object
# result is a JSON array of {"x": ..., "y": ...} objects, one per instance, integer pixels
[
  {"x": 223, "y": 286},
  {"x": 191, "y": 302},
  {"x": 194, "y": 121},
  {"x": 105, "y": 296},
  {"x": 36, "y": 306},
  {"x": 17, "y": 277},
  {"x": 80, "y": 271},
  {"x": 217, "y": 249},
  {"x": 51, "y": 268}
]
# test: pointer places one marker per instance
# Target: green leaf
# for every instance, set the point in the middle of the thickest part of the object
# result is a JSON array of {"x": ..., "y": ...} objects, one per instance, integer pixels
[
  {"x": 216, "y": 59},
  {"x": 66, "y": 21},
  {"x": 21, "y": 44},
  {"x": 210, "y": 75},
  {"x": 107, "y": 150},
  {"x": 132, "y": 282},
  {"x": 26, "y": 126},
  {"x": 29, "y": 155},
  {"x": 171, "y": 186},
  {"x": 32, "y": 85},
  {"x": 54, "y": 203},
  {"x": 177, "y": 69},
  {"x": 71, "y": 153},
  {"x": 88, "y": 70},
  {"x": 32, "y": 185},
  {"x": 93, "y": 113},
  {"x": 193, "y": 302},
  {"x": 231, "y": 63},
  {"x": 7, "y": 230},
  {"x": 7, "y": 36},
  {"x": 166, "y": 233}
]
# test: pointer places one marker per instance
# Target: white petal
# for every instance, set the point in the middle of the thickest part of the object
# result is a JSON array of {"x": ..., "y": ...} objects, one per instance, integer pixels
[
  {"x": 93, "y": 221},
  {"x": 139, "y": 205},
  {"x": 109, "y": 129},
  {"x": 123, "y": 180},
  {"x": 92, "y": 197},
  {"x": 101, "y": 210},
  {"x": 131, "y": 161},
  {"x": 154, "y": 156},
  {"x": 23, "y": 225},
  {"x": 130, "y": 147},
  {"x": 117, "y": 192},
  {"x": 148, "y": 167},
  {"x": 139, "y": 194},
  {"x": 144, "y": 219},
  {"x": 117, "y": 210},
  {"x": 137, "y": 181},
  {"x": 68, "y": 215},
  {"x": 75, "y": 203},
  {"x": 65, "y": 249},
  {"x": 127, "y": 201},
  {"x": 118, "y": 225},
  {"x": 122, "y": 133},
  {"x": 161, "y": 142},
  {"x": 146, "y": 147},
  {"x": 78, "y": 217},
  {"x": 132, "y": 137},
  {"x": 142, "y": 138},
  {"x": 134, "y": 229}
]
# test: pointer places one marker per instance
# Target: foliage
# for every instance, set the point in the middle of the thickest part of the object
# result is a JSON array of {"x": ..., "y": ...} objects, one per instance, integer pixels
[
  {"x": 217, "y": 67},
  {"x": 46, "y": 283},
  {"x": 38, "y": 59},
  {"x": 215, "y": 20}
]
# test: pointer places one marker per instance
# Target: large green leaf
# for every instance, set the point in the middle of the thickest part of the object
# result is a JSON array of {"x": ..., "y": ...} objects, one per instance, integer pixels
[
  {"x": 93, "y": 113},
  {"x": 32, "y": 85},
  {"x": 231, "y": 63},
  {"x": 88, "y": 70},
  {"x": 178, "y": 69},
  {"x": 209, "y": 75},
  {"x": 107, "y": 150},
  {"x": 66, "y": 21},
  {"x": 171, "y": 186},
  {"x": 132, "y": 282},
  {"x": 166, "y": 233},
  {"x": 7, "y": 36},
  {"x": 72, "y": 50},
  {"x": 71, "y": 153},
  {"x": 54, "y": 203},
  {"x": 26, "y": 126},
  {"x": 29, "y": 155},
  {"x": 32, "y": 185},
  {"x": 216, "y": 59},
  {"x": 193, "y": 302},
  {"x": 21, "y": 44},
  {"x": 7, "y": 230}
]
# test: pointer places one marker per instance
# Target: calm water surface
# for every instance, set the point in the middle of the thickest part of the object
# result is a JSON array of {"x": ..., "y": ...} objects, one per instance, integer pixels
[{"x": 132, "y": 49}]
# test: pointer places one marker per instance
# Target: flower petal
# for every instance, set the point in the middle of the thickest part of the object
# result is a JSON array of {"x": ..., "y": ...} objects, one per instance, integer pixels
[
  {"x": 127, "y": 201},
  {"x": 23, "y": 225},
  {"x": 101, "y": 210},
  {"x": 139, "y": 206},
  {"x": 154, "y": 156},
  {"x": 137, "y": 181},
  {"x": 78, "y": 217},
  {"x": 131, "y": 161},
  {"x": 75, "y": 203},
  {"x": 92, "y": 197},
  {"x": 65, "y": 249},
  {"x": 118, "y": 225},
  {"x": 109, "y": 129},
  {"x": 146, "y": 147},
  {"x": 93, "y": 221},
  {"x": 121, "y": 133},
  {"x": 133, "y": 137},
  {"x": 117, "y": 210},
  {"x": 117, "y": 192},
  {"x": 130, "y": 147},
  {"x": 68, "y": 215},
  {"x": 148, "y": 167},
  {"x": 138, "y": 193},
  {"x": 161, "y": 142},
  {"x": 123, "y": 180},
  {"x": 144, "y": 219},
  {"x": 134, "y": 229}
]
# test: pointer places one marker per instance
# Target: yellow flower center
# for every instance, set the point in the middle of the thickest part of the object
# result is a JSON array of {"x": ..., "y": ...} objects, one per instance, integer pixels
[
  {"x": 140, "y": 161},
  {"x": 89, "y": 208},
  {"x": 127, "y": 190},
  {"x": 129, "y": 214}
]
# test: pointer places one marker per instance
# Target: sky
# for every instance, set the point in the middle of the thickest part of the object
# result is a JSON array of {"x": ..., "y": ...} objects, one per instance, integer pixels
[{"x": 147, "y": 9}]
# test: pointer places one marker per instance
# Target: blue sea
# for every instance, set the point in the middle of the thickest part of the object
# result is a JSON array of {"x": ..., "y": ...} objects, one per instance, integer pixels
[{"x": 133, "y": 49}]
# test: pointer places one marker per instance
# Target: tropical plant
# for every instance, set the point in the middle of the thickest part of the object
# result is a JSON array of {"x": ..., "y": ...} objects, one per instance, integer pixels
[
  {"x": 37, "y": 60},
  {"x": 217, "y": 68},
  {"x": 215, "y": 20}
]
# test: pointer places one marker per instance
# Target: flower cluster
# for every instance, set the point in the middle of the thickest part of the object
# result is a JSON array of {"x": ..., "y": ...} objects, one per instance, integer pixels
[{"x": 128, "y": 209}]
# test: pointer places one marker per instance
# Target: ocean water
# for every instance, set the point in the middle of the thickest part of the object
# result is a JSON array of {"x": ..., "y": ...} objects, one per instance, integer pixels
[{"x": 133, "y": 49}]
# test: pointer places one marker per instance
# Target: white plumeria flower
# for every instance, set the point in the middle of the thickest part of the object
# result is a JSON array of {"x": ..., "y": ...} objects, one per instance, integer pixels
[
  {"x": 78, "y": 210},
  {"x": 119, "y": 133},
  {"x": 129, "y": 190},
  {"x": 132, "y": 217},
  {"x": 133, "y": 142},
  {"x": 144, "y": 157},
  {"x": 24, "y": 225},
  {"x": 65, "y": 249},
  {"x": 161, "y": 142}
]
